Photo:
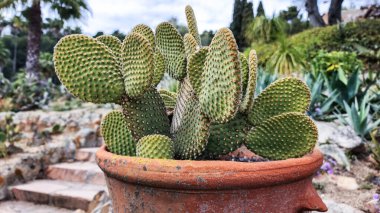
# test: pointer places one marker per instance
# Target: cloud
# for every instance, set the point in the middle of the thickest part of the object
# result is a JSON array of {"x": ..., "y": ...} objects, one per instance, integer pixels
[{"x": 111, "y": 15}]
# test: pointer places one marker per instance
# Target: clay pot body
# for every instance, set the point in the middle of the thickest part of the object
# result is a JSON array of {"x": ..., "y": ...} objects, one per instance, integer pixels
[{"x": 155, "y": 185}]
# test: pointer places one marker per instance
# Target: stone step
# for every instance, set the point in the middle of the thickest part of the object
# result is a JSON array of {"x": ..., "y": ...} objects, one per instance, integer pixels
[
  {"x": 62, "y": 194},
  {"x": 83, "y": 172},
  {"x": 86, "y": 154},
  {"x": 22, "y": 206}
]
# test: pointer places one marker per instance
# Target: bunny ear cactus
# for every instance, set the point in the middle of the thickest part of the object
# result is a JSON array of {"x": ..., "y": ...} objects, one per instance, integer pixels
[
  {"x": 215, "y": 111},
  {"x": 88, "y": 69}
]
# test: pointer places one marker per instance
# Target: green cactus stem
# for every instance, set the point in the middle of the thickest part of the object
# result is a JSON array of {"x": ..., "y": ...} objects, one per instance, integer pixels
[
  {"x": 288, "y": 135},
  {"x": 116, "y": 134},
  {"x": 221, "y": 80},
  {"x": 170, "y": 43},
  {"x": 195, "y": 68},
  {"x": 88, "y": 69},
  {"x": 192, "y": 24},
  {"x": 284, "y": 95},
  {"x": 190, "y": 140},
  {"x": 156, "y": 147},
  {"x": 247, "y": 103},
  {"x": 138, "y": 67},
  {"x": 146, "y": 115}
]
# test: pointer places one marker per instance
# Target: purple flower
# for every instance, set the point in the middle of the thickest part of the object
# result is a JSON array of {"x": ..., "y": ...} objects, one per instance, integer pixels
[
  {"x": 326, "y": 166},
  {"x": 376, "y": 197},
  {"x": 318, "y": 111},
  {"x": 330, "y": 171}
]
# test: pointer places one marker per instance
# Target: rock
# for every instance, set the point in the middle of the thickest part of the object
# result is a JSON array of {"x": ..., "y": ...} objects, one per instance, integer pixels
[
  {"x": 372, "y": 206},
  {"x": 343, "y": 136},
  {"x": 344, "y": 182},
  {"x": 22, "y": 206},
  {"x": 325, "y": 129},
  {"x": 87, "y": 137},
  {"x": 335, "y": 207}
]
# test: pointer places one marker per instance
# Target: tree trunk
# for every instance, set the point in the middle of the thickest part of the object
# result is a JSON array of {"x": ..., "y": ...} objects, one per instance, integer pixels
[
  {"x": 34, "y": 40},
  {"x": 14, "y": 62},
  {"x": 335, "y": 12},
  {"x": 313, "y": 13}
]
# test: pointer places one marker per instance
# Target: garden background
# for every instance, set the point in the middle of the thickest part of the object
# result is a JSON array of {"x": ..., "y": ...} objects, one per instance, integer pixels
[{"x": 336, "y": 52}]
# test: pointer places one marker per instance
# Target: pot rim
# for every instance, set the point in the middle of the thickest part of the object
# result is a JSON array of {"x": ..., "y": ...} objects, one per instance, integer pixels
[{"x": 206, "y": 175}]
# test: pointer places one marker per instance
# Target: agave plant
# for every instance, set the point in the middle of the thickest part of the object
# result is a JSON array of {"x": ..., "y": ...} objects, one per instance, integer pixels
[{"x": 358, "y": 117}]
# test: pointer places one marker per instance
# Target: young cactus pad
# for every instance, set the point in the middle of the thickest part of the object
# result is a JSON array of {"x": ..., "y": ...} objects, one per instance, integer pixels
[{"x": 214, "y": 111}]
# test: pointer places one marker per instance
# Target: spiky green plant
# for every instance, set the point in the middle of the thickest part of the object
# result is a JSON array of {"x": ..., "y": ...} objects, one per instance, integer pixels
[{"x": 215, "y": 111}]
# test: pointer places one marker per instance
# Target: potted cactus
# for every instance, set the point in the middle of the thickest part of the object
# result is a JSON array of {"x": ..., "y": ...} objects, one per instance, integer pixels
[{"x": 155, "y": 161}]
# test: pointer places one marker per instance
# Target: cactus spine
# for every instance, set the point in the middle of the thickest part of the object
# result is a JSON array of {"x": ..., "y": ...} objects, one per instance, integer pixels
[{"x": 215, "y": 111}]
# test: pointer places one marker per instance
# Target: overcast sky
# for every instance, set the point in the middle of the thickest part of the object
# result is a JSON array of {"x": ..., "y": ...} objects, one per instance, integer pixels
[
  {"x": 211, "y": 14},
  {"x": 109, "y": 15}
]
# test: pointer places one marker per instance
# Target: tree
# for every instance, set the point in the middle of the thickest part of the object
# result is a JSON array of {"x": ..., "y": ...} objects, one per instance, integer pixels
[
  {"x": 241, "y": 18},
  {"x": 3, "y": 23},
  {"x": 4, "y": 56},
  {"x": 66, "y": 9},
  {"x": 294, "y": 22},
  {"x": 247, "y": 18},
  {"x": 235, "y": 25},
  {"x": 206, "y": 37},
  {"x": 335, "y": 12},
  {"x": 182, "y": 29},
  {"x": 286, "y": 59},
  {"x": 313, "y": 13},
  {"x": 265, "y": 30},
  {"x": 260, "y": 10}
]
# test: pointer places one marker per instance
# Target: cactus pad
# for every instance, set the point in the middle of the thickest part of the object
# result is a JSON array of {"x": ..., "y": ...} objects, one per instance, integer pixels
[
  {"x": 146, "y": 115},
  {"x": 155, "y": 146},
  {"x": 192, "y": 24},
  {"x": 284, "y": 95},
  {"x": 116, "y": 134},
  {"x": 88, "y": 69},
  {"x": 184, "y": 94},
  {"x": 138, "y": 68},
  {"x": 195, "y": 68},
  {"x": 159, "y": 68},
  {"x": 190, "y": 140},
  {"x": 244, "y": 71},
  {"x": 190, "y": 44},
  {"x": 146, "y": 32},
  {"x": 111, "y": 42},
  {"x": 169, "y": 98},
  {"x": 284, "y": 136},
  {"x": 246, "y": 104},
  {"x": 170, "y": 43},
  {"x": 227, "y": 137},
  {"x": 221, "y": 80}
]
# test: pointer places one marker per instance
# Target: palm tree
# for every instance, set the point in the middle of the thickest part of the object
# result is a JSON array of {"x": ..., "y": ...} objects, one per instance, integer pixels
[
  {"x": 286, "y": 59},
  {"x": 17, "y": 25},
  {"x": 66, "y": 9},
  {"x": 265, "y": 30}
]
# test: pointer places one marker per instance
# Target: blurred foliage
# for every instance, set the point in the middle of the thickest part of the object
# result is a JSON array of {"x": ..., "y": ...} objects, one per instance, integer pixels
[
  {"x": 358, "y": 116},
  {"x": 342, "y": 38},
  {"x": 336, "y": 61},
  {"x": 321, "y": 104},
  {"x": 286, "y": 59},
  {"x": 264, "y": 78},
  {"x": 265, "y": 30}
]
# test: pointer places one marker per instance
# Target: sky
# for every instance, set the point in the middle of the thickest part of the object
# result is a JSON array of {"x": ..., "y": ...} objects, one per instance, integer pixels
[{"x": 111, "y": 15}]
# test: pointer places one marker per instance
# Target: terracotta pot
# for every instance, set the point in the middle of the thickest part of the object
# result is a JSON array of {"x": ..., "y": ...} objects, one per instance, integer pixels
[{"x": 155, "y": 185}]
